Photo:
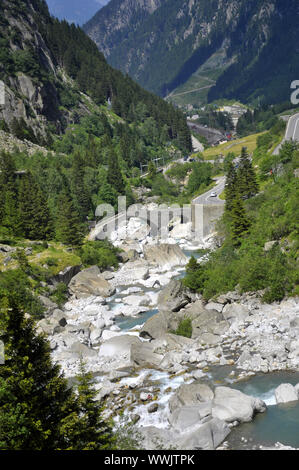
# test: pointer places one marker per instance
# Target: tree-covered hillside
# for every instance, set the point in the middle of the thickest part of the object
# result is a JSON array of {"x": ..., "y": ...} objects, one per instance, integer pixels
[
  {"x": 257, "y": 38},
  {"x": 99, "y": 126},
  {"x": 46, "y": 65}
]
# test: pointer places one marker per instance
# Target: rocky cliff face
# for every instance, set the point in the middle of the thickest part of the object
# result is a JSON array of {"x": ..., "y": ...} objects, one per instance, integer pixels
[
  {"x": 33, "y": 80},
  {"x": 120, "y": 19},
  {"x": 26, "y": 97},
  {"x": 165, "y": 46}
]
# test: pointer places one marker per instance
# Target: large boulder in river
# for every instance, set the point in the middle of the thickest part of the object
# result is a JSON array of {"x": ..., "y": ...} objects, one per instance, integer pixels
[
  {"x": 165, "y": 256},
  {"x": 119, "y": 346},
  {"x": 208, "y": 436},
  {"x": 131, "y": 273},
  {"x": 235, "y": 312},
  {"x": 155, "y": 327},
  {"x": 207, "y": 322},
  {"x": 190, "y": 416},
  {"x": 190, "y": 395},
  {"x": 286, "y": 393},
  {"x": 90, "y": 282},
  {"x": 174, "y": 297},
  {"x": 231, "y": 405},
  {"x": 143, "y": 355}
]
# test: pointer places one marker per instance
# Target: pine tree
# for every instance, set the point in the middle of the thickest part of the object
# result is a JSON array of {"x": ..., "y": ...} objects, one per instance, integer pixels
[
  {"x": 247, "y": 183},
  {"x": 23, "y": 261},
  {"x": 68, "y": 224},
  {"x": 231, "y": 189},
  {"x": 152, "y": 171},
  {"x": 192, "y": 266},
  {"x": 34, "y": 215},
  {"x": 88, "y": 430},
  {"x": 239, "y": 221},
  {"x": 114, "y": 176},
  {"x": 80, "y": 192},
  {"x": 10, "y": 217},
  {"x": 34, "y": 396},
  {"x": 8, "y": 192},
  {"x": 125, "y": 148}
]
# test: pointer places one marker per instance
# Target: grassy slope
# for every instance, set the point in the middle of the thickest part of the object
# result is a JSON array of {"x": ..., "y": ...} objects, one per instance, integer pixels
[{"x": 234, "y": 146}]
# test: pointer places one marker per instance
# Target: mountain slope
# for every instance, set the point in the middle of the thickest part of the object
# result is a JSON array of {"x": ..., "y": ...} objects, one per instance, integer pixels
[
  {"x": 164, "y": 48},
  {"x": 49, "y": 66},
  {"x": 120, "y": 20}
]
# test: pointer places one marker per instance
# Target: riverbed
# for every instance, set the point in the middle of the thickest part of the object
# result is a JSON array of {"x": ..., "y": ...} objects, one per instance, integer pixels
[{"x": 280, "y": 423}]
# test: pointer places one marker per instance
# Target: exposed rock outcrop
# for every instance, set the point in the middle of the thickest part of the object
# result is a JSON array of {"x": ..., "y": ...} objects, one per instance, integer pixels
[
  {"x": 174, "y": 297},
  {"x": 286, "y": 393},
  {"x": 165, "y": 256},
  {"x": 90, "y": 282}
]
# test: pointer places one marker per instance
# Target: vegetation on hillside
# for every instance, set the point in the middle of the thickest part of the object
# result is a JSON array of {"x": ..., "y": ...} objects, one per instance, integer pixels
[
  {"x": 81, "y": 72},
  {"x": 250, "y": 221}
]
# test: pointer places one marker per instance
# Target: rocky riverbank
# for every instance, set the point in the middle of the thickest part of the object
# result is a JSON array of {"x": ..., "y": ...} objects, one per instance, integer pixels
[{"x": 159, "y": 380}]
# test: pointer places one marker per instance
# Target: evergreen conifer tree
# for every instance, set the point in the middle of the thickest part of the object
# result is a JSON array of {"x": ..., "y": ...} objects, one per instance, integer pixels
[
  {"x": 38, "y": 409},
  {"x": 34, "y": 396},
  {"x": 8, "y": 193},
  {"x": 81, "y": 194},
  {"x": 240, "y": 223},
  {"x": 192, "y": 266},
  {"x": 10, "y": 217},
  {"x": 152, "y": 171},
  {"x": 231, "y": 189},
  {"x": 87, "y": 430},
  {"x": 69, "y": 228},
  {"x": 34, "y": 215},
  {"x": 114, "y": 176},
  {"x": 247, "y": 183}
]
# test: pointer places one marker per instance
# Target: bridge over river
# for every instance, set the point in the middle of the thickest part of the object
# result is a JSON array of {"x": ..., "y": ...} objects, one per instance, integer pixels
[{"x": 203, "y": 212}]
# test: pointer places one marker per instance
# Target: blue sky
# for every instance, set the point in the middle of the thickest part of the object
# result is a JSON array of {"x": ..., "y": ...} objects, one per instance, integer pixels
[{"x": 75, "y": 11}]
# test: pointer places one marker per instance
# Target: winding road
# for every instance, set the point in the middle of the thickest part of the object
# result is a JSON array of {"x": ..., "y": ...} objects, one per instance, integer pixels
[
  {"x": 206, "y": 198},
  {"x": 292, "y": 132},
  {"x": 109, "y": 224}
]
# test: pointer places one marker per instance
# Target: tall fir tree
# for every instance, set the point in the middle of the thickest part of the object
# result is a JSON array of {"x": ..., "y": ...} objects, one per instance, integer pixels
[
  {"x": 8, "y": 194},
  {"x": 34, "y": 216},
  {"x": 34, "y": 396},
  {"x": 10, "y": 215},
  {"x": 69, "y": 229},
  {"x": 88, "y": 430},
  {"x": 231, "y": 188},
  {"x": 247, "y": 182},
  {"x": 80, "y": 192},
  {"x": 38, "y": 409},
  {"x": 114, "y": 176},
  {"x": 240, "y": 223}
]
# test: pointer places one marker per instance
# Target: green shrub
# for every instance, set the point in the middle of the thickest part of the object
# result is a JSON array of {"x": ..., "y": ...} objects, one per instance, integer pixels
[
  {"x": 184, "y": 328},
  {"x": 16, "y": 285},
  {"x": 51, "y": 262},
  {"x": 59, "y": 294},
  {"x": 100, "y": 253}
]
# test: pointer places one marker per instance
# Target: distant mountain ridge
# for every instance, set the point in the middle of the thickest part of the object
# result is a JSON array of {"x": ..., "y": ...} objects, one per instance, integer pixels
[{"x": 162, "y": 43}]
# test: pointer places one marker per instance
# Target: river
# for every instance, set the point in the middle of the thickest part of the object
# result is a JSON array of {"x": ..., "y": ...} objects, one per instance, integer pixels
[{"x": 280, "y": 423}]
